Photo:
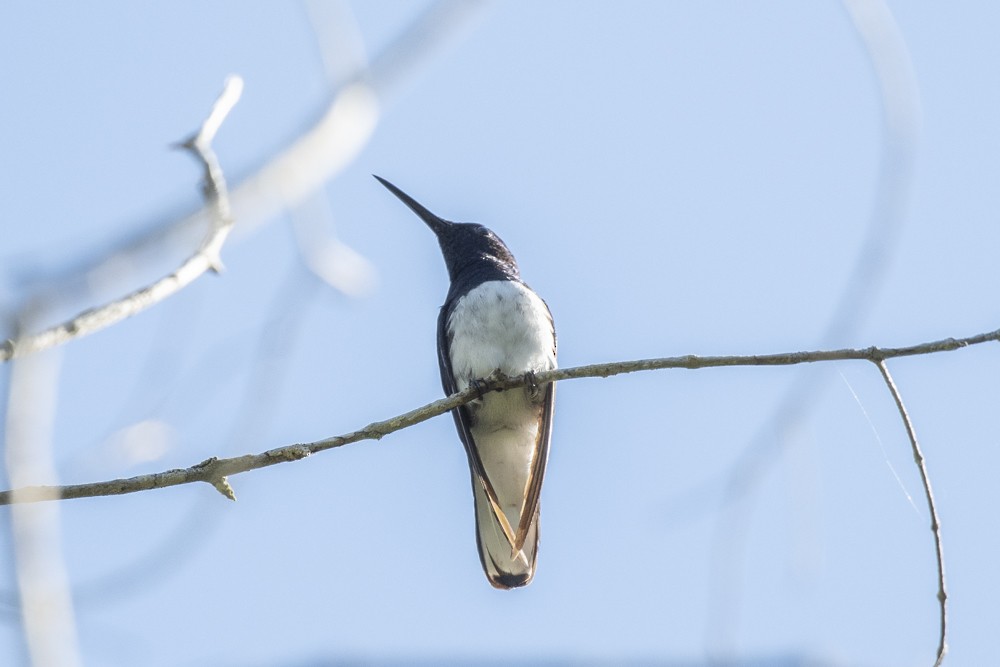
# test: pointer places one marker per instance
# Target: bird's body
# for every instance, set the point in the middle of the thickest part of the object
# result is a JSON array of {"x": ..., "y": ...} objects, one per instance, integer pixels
[
  {"x": 496, "y": 327},
  {"x": 492, "y": 323}
]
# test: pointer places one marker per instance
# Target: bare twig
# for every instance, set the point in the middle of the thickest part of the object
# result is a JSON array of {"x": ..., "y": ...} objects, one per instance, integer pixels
[
  {"x": 216, "y": 470},
  {"x": 205, "y": 258},
  {"x": 918, "y": 458},
  {"x": 342, "y": 128}
]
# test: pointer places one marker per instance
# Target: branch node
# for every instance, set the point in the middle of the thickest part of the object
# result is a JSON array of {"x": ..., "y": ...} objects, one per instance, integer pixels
[
  {"x": 221, "y": 485},
  {"x": 875, "y": 354},
  {"x": 689, "y": 361},
  {"x": 101, "y": 317},
  {"x": 206, "y": 463},
  {"x": 293, "y": 453},
  {"x": 188, "y": 144}
]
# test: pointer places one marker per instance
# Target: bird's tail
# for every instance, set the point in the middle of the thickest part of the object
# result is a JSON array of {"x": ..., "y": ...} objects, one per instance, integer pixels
[{"x": 503, "y": 568}]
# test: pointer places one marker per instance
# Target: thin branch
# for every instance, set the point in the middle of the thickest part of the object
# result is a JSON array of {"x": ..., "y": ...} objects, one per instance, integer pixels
[
  {"x": 918, "y": 458},
  {"x": 215, "y": 471},
  {"x": 205, "y": 258}
]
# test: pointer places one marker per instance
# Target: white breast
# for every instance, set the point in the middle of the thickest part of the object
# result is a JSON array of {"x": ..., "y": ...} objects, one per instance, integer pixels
[{"x": 500, "y": 325}]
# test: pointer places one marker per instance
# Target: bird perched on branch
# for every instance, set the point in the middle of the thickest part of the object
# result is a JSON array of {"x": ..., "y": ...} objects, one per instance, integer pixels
[{"x": 492, "y": 324}]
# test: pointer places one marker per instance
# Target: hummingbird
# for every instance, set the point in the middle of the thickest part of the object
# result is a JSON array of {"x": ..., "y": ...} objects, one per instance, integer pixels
[{"x": 493, "y": 325}]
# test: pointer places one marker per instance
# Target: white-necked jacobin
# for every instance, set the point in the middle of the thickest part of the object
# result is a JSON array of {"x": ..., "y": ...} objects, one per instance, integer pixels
[{"x": 492, "y": 323}]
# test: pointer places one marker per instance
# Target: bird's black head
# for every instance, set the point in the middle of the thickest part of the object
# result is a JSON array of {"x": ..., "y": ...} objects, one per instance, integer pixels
[{"x": 472, "y": 252}]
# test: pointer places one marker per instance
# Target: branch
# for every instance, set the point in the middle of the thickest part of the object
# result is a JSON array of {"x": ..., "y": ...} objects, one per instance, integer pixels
[
  {"x": 319, "y": 153},
  {"x": 918, "y": 458},
  {"x": 215, "y": 471},
  {"x": 205, "y": 258}
]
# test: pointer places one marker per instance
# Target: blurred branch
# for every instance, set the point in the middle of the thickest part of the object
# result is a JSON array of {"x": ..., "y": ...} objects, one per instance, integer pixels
[
  {"x": 918, "y": 458},
  {"x": 889, "y": 57},
  {"x": 345, "y": 126},
  {"x": 43, "y": 600},
  {"x": 215, "y": 471},
  {"x": 268, "y": 367},
  {"x": 205, "y": 258},
  {"x": 326, "y": 257},
  {"x": 44, "y": 597},
  {"x": 317, "y": 154}
]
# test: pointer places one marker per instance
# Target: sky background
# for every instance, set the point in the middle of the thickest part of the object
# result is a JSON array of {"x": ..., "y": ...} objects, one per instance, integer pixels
[{"x": 673, "y": 178}]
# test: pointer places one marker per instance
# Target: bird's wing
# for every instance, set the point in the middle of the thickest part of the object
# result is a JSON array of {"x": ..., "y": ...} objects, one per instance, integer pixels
[{"x": 533, "y": 489}]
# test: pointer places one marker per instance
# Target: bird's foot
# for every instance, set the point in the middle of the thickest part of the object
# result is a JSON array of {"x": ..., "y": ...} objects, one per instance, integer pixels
[
  {"x": 487, "y": 384},
  {"x": 481, "y": 385},
  {"x": 534, "y": 391}
]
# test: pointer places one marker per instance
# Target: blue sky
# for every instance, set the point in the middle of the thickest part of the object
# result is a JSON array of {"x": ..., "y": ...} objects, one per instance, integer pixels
[{"x": 673, "y": 178}]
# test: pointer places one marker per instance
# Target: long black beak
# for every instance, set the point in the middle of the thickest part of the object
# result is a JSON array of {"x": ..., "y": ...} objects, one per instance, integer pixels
[{"x": 436, "y": 224}]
